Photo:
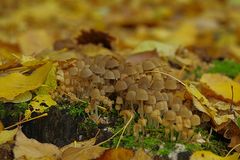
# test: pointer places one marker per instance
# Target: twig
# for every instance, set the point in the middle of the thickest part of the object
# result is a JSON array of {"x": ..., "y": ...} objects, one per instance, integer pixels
[{"x": 18, "y": 123}]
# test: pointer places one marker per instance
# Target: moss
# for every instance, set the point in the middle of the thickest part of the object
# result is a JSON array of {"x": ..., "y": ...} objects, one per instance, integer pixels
[
  {"x": 12, "y": 110},
  {"x": 229, "y": 68}
]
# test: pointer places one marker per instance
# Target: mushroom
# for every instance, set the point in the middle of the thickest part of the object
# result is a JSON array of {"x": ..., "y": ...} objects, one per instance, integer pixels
[
  {"x": 195, "y": 120},
  {"x": 170, "y": 116},
  {"x": 120, "y": 86},
  {"x": 141, "y": 95},
  {"x": 131, "y": 96},
  {"x": 144, "y": 83},
  {"x": 95, "y": 95},
  {"x": 170, "y": 84},
  {"x": 157, "y": 85},
  {"x": 116, "y": 74},
  {"x": 86, "y": 72},
  {"x": 112, "y": 63},
  {"x": 119, "y": 100},
  {"x": 97, "y": 69},
  {"x": 109, "y": 75},
  {"x": 148, "y": 65},
  {"x": 130, "y": 70},
  {"x": 73, "y": 71}
]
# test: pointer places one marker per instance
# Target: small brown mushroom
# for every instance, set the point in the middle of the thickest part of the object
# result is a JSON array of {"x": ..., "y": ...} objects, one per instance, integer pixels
[
  {"x": 170, "y": 84},
  {"x": 131, "y": 96},
  {"x": 157, "y": 85},
  {"x": 120, "y": 85},
  {"x": 86, "y": 72},
  {"x": 171, "y": 117},
  {"x": 112, "y": 63},
  {"x": 97, "y": 69},
  {"x": 119, "y": 100},
  {"x": 148, "y": 65},
  {"x": 141, "y": 95},
  {"x": 116, "y": 74},
  {"x": 144, "y": 83},
  {"x": 109, "y": 75}
]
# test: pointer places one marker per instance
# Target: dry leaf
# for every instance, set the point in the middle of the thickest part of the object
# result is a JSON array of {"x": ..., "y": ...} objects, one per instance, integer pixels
[
  {"x": 7, "y": 135},
  {"x": 207, "y": 155},
  {"x": 84, "y": 150},
  {"x": 31, "y": 148},
  {"x": 117, "y": 154},
  {"x": 1, "y": 126},
  {"x": 162, "y": 48},
  {"x": 141, "y": 155},
  {"x": 35, "y": 41},
  {"x": 17, "y": 83},
  {"x": 220, "y": 86}
]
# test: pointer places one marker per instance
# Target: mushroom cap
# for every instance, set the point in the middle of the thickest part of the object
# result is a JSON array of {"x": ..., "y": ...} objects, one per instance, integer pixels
[
  {"x": 112, "y": 63},
  {"x": 161, "y": 96},
  {"x": 195, "y": 120},
  {"x": 148, "y": 65},
  {"x": 119, "y": 100},
  {"x": 151, "y": 99},
  {"x": 109, "y": 75},
  {"x": 96, "y": 79},
  {"x": 130, "y": 70},
  {"x": 162, "y": 105},
  {"x": 131, "y": 95},
  {"x": 148, "y": 109},
  {"x": 129, "y": 80},
  {"x": 157, "y": 85},
  {"x": 108, "y": 88},
  {"x": 155, "y": 113},
  {"x": 170, "y": 115},
  {"x": 95, "y": 93},
  {"x": 116, "y": 74},
  {"x": 179, "y": 120},
  {"x": 97, "y": 69},
  {"x": 141, "y": 94},
  {"x": 121, "y": 85},
  {"x": 187, "y": 123},
  {"x": 86, "y": 72},
  {"x": 144, "y": 83},
  {"x": 175, "y": 107},
  {"x": 185, "y": 112},
  {"x": 170, "y": 84},
  {"x": 73, "y": 71}
]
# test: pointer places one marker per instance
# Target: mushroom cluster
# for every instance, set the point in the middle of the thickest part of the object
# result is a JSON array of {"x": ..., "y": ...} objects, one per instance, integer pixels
[{"x": 110, "y": 81}]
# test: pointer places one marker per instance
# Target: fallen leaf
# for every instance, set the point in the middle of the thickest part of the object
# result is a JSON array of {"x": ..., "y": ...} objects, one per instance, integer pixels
[
  {"x": 82, "y": 150},
  {"x": 162, "y": 48},
  {"x": 23, "y": 97},
  {"x": 235, "y": 140},
  {"x": 95, "y": 37},
  {"x": 220, "y": 86},
  {"x": 117, "y": 154},
  {"x": 39, "y": 104},
  {"x": 31, "y": 148},
  {"x": 34, "y": 41},
  {"x": 141, "y": 155},
  {"x": 1, "y": 126},
  {"x": 17, "y": 83},
  {"x": 207, "y": 155},
  {"x": 7, "y": 135}
]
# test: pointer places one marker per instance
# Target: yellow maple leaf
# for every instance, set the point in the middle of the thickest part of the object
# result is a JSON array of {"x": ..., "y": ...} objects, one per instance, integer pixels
[
  {"x": 16, "y": 83},
  {"x": 221, "y": 85},
  {"x": 207, "y": 155}
]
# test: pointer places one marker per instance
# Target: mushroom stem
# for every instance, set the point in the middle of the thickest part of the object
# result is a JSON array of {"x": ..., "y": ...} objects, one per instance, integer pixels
[{"x": 141, "y": 109}]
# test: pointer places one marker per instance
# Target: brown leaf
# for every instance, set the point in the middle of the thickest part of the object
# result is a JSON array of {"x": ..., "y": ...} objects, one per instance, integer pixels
[
  {"x": 117, "y": 154},
  {"x": 31, "y": 148},
  {"x": 95, "y": 37},
  {"x": 141, "y": 155}
]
